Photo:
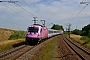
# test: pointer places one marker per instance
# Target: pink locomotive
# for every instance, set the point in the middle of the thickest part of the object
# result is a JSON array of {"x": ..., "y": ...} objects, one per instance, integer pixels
[{"x": 35, "y": 33}]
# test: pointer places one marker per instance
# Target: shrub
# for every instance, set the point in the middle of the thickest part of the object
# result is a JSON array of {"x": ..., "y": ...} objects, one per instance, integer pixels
[
  {"x": 77, "y": 32},
  {"x": 83, "y": 38},
  {"x": 89, "y": 34},
  {"x": 86, "y": 39},
  {"x": 17, "y": 35}
]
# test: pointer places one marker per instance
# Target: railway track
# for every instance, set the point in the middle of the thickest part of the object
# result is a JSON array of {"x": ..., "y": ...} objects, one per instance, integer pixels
[
  {"x": 64, "y": 50},
  {"x": 15, "y": 52},
  {"x": 80, "y": 51}
]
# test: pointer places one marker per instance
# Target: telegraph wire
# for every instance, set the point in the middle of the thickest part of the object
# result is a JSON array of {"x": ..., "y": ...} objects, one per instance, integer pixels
[
  {"x": 15, "y": 11},
  {"x": 82, "y": 8},
  {"x": 33, "y": 10},
  {"x": 30, "y": 7},
  {"x": 74, "y": 12},
  {"x": 27, "y": 4},
  {"x": 79, "y": 12},
  {"x": 9, "y": 1},
  {"x": 24, "y": 9},
  {"x": 20, "y": 6},
  {"x": 11, "y": 22}
]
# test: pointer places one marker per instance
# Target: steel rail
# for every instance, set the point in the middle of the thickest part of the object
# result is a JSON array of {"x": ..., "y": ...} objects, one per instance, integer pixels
[
  {"x": 80, "y": 55},
  {"x": 15, "y": 53}
]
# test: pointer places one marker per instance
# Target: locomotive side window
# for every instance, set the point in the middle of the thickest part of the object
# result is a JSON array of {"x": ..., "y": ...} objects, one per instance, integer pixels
[
  {"x": 33, "y": 29},
  {"x": 41, "y": 30}
]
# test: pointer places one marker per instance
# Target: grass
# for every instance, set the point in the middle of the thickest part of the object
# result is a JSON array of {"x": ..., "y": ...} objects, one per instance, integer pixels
[
  {"x": 6, "y": 45},
  {"x": 48, "y": 52},
  {"x": 5, "y": 34},
  {"x": 83, "y": 40}
]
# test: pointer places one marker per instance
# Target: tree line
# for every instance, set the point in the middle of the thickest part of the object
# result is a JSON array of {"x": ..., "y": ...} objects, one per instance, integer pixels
[{"x": 84, "y": 32}]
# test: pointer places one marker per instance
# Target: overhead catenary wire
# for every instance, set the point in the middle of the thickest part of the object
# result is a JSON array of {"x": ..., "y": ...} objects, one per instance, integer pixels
[
  {"x": 21, "y": 8},
  {"x": 72, "y": 16},
  {"x": 25, "y": 9},
  {"x": 11, "y": 22},
  {"x": 74, "y": 12},
  {"x": 79, "y": 12},
  {"x": 15, "y": 11},
  {"x": 30, "y": 7},
  {"x": 39, "y": 16}
]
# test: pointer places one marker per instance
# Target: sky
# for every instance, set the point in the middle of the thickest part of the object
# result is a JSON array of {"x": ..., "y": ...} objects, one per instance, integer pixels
[{"x": 19, "y": 15}]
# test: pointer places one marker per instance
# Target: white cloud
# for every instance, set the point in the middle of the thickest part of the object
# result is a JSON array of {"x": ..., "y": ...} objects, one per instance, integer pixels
[
  {"x": 71, "y": 1},
  {"x": 32, "y": 1}
]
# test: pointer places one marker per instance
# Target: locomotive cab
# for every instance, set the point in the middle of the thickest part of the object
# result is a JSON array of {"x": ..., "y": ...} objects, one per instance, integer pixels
[{"x": 32, "y": 34}]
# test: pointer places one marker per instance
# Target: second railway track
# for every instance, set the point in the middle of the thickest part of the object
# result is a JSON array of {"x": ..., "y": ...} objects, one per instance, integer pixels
[
  {"x": 15, "y": 53},
  {"x": 80, "y": 51}
]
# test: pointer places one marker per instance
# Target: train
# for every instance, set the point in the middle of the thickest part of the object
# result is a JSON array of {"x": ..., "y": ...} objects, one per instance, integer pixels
[{"x": 36, "y": 33}]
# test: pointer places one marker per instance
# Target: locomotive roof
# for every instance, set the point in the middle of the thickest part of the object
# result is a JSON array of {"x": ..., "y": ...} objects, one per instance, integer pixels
[{"x": 38, "y": 25}]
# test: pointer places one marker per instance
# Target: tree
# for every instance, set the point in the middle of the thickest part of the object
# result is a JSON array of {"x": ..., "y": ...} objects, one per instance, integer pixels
[
  {"x": 85, "y": 30},
  {"x": 57, "y": 27}
]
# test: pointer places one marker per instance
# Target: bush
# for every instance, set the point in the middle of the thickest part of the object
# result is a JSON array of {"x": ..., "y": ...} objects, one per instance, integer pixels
[
  {"x": 77, "y": 32},
  {"x": 83, "y": 38},
  {"x": 86, "y": 39},
  {"x": 17, "y": 35},
  {"x": 89, "y": 34}
]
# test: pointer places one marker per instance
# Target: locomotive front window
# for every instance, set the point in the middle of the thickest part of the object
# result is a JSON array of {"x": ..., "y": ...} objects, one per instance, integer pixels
[{"x": 33, "y": 29}]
